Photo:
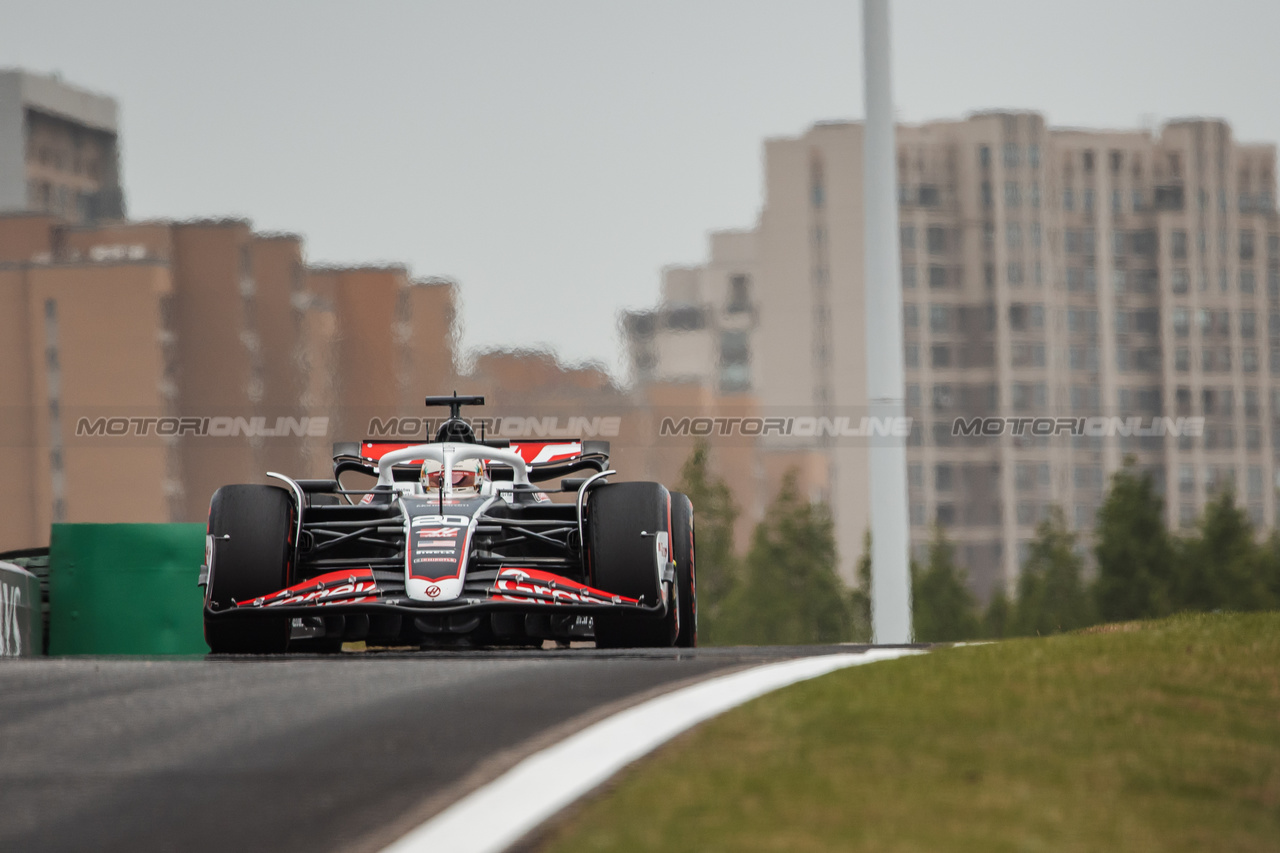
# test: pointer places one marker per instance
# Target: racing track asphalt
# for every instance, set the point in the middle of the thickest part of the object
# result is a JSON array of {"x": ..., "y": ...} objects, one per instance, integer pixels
[{"x": 294, "y": 754}]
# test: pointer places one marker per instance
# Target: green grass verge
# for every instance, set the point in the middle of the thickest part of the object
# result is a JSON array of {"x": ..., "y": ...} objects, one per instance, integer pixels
[{"x": 1149, "y": 736}]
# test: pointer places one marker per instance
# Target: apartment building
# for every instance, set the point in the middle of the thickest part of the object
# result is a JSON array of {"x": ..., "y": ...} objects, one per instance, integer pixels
[
  {"x": 59, "y": 149},
  {"x": 1046, "y": 272},
  {"x": 713, "y": 299},
  {"x": 149, "y": 363}
]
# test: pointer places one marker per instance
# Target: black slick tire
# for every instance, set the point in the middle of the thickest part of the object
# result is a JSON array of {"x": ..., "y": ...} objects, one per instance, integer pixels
[
  {"x": 683, "y": 552},
  {"x": 622, "y": 521},
  {"x": 252, "y": 529}
]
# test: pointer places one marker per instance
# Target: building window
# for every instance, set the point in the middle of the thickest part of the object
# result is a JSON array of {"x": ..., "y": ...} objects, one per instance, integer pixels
[
  {"x": 1012, "y": 194},
  {"x": 937, "y": 276},
  {"x": 1085, "y": 399},
  {"x": 1068, "y": 199},
  {"x": 911, "y": 355},
  {"x": 739, "y": 294},
  {"x": 910, "y": 315},
  {"x": 1186, "y": 479},
  {"x": 936, "y": 238},
  {"x": 1035, "y": 234},
  {"x": 1013, "y": 235},
  {"x": 939, "y": 318},
  {"x": 1010, "y": 155},
  {"x": 735, "y": 357},
  {"x": 1248, "y": 324},
  {"x": 1088, "y": 477},
  {"x": 1033, "y": 156},
  {"x": 1181, "y": 281},
  {"x": 1034, "y": 196},
  {"x": 940, "y": 356},
  {"x": 908, "y": 237},
  {"x": 1181, "y": 322},
  {"x": 686, "y": 319},
  {"x": 1029, "y": 476},
  {"x": 1248, "y": 282},
  {"x": 908, "y": 276},
  {"x": 1088, "y": 201},
  {"x": 1082, "y": 320},
  {"x": 943, "y": 477},
  {"x": 984, "y": 156}
]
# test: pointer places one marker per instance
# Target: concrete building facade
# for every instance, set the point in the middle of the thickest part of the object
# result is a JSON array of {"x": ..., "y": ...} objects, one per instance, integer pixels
[
  {"x": 1046, "y": 273},
  {"x": 161, "y": 329},
  {"x": 59, "y": 149}
]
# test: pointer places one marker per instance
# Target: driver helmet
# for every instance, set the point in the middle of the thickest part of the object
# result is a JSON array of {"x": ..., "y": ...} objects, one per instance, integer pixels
[{"x": 466, "y": 474}]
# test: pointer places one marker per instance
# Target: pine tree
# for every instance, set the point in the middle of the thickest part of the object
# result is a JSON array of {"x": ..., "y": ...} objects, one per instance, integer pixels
[
  {"x": 1051, "y": 593},
  {"x": 999, "y": 612},
  {"x": 943, "y": 608},
  {"x": 716, "y": 564},
  {"x": 1136, "y": 565},
  {"x": 789, "y": 591},
  {"x": 860, "y": 598},
  {"x": 1222, "y": 567}
]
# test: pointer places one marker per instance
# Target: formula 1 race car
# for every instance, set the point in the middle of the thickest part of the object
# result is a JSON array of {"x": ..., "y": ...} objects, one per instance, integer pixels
[{"x": 453, "y": 546}]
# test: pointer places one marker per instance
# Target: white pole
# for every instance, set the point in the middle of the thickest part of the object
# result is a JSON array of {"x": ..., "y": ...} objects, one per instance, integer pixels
[{"x": 890, "y": 538}]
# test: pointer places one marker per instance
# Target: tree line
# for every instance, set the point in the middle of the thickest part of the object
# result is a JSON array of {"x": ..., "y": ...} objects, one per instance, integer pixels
[{"x": 785, "y": 590}]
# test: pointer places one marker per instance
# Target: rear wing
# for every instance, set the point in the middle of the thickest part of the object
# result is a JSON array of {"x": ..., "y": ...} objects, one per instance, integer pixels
[{"x": 546, "y": 459}]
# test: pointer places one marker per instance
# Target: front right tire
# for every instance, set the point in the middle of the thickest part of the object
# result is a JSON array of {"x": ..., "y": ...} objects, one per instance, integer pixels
[{"x": 251, "y": 555}]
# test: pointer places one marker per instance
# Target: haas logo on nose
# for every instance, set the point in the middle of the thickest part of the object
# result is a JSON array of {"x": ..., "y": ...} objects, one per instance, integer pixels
[{"x": 433, "y": 591}]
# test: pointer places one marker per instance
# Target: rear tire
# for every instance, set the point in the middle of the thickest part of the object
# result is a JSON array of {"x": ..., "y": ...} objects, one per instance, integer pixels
[
  {"x": 623, "y": 562},
  {"x": 682, "y": 551},
  {"x": 254, "y": 559}
]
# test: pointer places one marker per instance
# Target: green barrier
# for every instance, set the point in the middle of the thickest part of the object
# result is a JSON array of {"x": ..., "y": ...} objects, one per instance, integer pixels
[{"x": 125, "y": 589}]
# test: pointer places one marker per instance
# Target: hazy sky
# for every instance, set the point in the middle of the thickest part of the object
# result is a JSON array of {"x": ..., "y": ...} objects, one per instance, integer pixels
[{"x": 552, "y": 157}]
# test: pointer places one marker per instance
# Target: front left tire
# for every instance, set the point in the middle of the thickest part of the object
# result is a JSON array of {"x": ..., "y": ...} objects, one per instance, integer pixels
[{"x": 622, "y": 519}]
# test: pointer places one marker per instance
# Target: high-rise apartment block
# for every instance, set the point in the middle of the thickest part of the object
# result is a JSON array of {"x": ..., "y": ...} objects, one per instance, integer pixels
[
  {"x": 1046, "y": 272},
  {"x": 59, "y": 149},
  {"x": 148, "y": 363}
]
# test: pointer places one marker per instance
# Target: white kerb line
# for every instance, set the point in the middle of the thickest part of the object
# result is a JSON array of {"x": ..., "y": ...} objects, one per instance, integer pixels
[{"x": 491, "y": 819}]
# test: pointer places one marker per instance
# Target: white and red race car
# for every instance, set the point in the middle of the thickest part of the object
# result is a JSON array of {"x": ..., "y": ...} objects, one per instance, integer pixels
[{"x": 454, "y": 545}]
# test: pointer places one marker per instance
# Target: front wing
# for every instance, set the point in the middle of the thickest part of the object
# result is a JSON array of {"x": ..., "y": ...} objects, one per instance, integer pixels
[{"x": 370, "y": 591}]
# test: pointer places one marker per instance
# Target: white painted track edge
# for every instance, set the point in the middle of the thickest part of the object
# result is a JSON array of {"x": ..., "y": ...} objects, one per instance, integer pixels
[{"x": 496, "y": 816}]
